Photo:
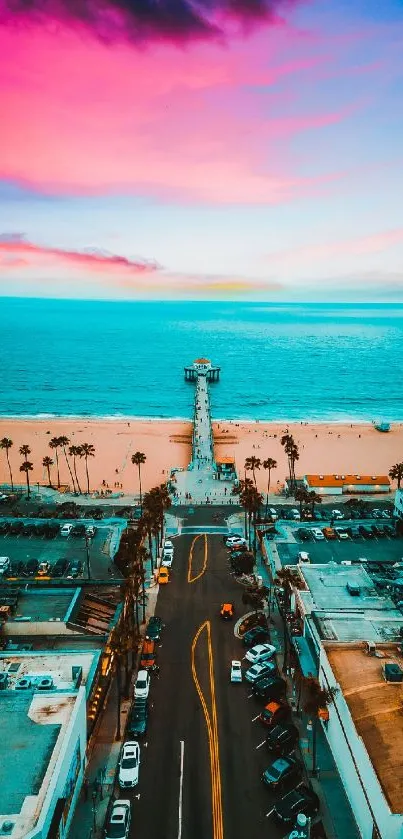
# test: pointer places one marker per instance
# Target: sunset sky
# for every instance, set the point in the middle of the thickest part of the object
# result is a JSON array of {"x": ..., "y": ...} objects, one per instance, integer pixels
[{"x": 251, "y": 151}]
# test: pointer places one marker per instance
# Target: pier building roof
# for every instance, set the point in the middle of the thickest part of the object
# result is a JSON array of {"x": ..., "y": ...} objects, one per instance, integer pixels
[{"x": 347, "y": 480}]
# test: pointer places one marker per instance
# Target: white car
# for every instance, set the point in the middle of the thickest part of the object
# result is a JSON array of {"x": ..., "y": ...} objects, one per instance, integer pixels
[
  {"x": 167, "y": 559},
  {"x": 5, "y": 564},
  {"x": 342, "y": 534},
  {"x": 66, "y": 530},
  {"x": 168, "y": 544},
  {"x": 258, "y": 670},
  {"x": 142, "y": 685},
  {"x": 129, "y": 764},
  {"x": 90, "y": 531},
  {"x": 271, "y": 511},
  {"x": 233, "y": 541},
  {"x": 303, "y": 556},
  {"x": 236, "y": 671},
  {"x": 259, "y": 653},
  {"x": 118, "y": 824},
  {"x": 337, "y": 514},
  {"x": 317, "y": 534},
  {"x": 295, "y": 514}
]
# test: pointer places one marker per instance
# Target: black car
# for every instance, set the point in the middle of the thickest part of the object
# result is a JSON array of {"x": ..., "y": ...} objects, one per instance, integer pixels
[
  {"x": 282, "y": 772},
  {"x": 304, "y": 535},
  {"x": 41, "y": 529},
  {"x": 389, "y": 530},
  {"x": 154, "y": 628},
  {"x": 257, "y": 635},
  {"x": 60, "y": 567},
  {"x": 377, "y": 530},
  {"x": 78, "y": 530},
  {"x": 16, "y": 527},
  {"x": 31, "y": 567},
  {"x": 17, "y": 568},
  {"x": 138, "y": 719},
  {"x": 4, "y": 527},
  {"x": 282, "y": 739},
  {"x": 366, "y": 531},
  {"x": 75, "y": 569},
  {"x": 29, "y": 530},
  {"x": 354, "y": 532},
  {"x": 299, "y": 800},
  {"x": 270, "y": 687}
]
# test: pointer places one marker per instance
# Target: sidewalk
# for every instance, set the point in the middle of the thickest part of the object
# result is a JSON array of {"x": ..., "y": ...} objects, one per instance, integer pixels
[{"x": 336, "y": 813}]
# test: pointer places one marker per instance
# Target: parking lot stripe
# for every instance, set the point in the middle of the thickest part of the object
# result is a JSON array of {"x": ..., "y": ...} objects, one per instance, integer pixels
[
  {"x": 261, "y": 744},
  {"x": 256, "y": 718}
]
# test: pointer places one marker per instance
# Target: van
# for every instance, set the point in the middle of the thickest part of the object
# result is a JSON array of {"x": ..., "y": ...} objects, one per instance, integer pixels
[
  {"x": 5, "y": 564},
  {"x": 163, "y": 575}
]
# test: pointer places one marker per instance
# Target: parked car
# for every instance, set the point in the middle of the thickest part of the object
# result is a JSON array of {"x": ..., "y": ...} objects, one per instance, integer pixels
[
  {"x": 147, "y": 658},
  {"x": 282, "y": 772},
  {"x": 259, "y": 653},
  {"x": 299, "y": 800},
  {"x": 341, "y": 534},
  {"x": 317, "y": 534},
  {"x": 235, "y": 541},
  {"x": 236, "y": 671},
  {"x": 66, "y": 530},
  {"x": 227, "y": 611},
  {"x": 354, "y": 532},
  {"x": 75, "y": 569},
  {"x": 303, "y": 556},
  {"x": 16, "y": 528},
  {"x": 329, "y": 533},
  {"x": 295, "y": 514},
  {"x": 29, "y": 530},
  {"x": 5, "y": 565},
  {"x": 304, "y": 535},
  {"x": 377, "y": 529},
  {"x": 259, "y": 633},
  {"x": 258, "y": 670},
  {"x": 154, "y": 628},
  {"x": 389, "y": 530},
  {"x": 270, "y": 687},
  {"x": 118, "y": 824},
  {"x": 282, "y": 739},
  {"x": 90, "y": 531},
  {"x": 167, "y": 559},
  {"x": 31, "y": 568},
  {"x": 366, "y": 531},
  {"x": 272, "y": 513},
  {"x": 4, "y": 527},
  {"x": 337, "y": 515},
  {"x": 18, "y": 568},
  {"x": 129, "y": 764},
  {"x": 44, "y": 569},
  {"x": 163, "y": 575},
  {"x": 142, "y": 685},
  {"x": 138, "y": 719},
  {"x": 60, "y": 567},
  {"x": 79, "y": 531},
  {"x": 274, "y": 713}
]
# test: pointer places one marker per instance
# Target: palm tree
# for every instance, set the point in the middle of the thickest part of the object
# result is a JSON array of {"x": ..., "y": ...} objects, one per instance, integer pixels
[
  {"x": 287, "y": 579},
  {"x": 87, "y": 450},
  {"x": 269, "y": 464},
  {"x": 316, "y": 702},
  {"x": 138, "y": 458},
  {"x": 314, "y": 498},
  {"x": 27, "y": 467},
  {"x": 302, "y": 495},
  {"x": 75, "y": 451},
  {"x": 63, "y": 442},
  {"x": 396, "y": 473},
  {"x": 48, "y": 462},
  {"x": 252, "y": 463},
  {"x": 239, "y": 489},
  {"x": 25, "y": 450},
  {"x": 6, "y": 444},
  {"x": 291, "y": 449},
  {"x": 54, "y": 444}
]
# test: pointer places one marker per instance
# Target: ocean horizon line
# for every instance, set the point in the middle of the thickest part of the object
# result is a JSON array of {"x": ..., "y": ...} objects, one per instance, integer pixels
[{"x": 41, "y": 417}]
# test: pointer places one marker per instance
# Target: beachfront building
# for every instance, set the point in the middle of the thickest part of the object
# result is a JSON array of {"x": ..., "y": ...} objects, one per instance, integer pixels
[
  {"x": 398, "y": 511},
  {"x": 347, "y": 484},
  {"x": 202, "y": 367},
  {"x": 352, "y": 645},
  {"x": 42, "y": 740}
]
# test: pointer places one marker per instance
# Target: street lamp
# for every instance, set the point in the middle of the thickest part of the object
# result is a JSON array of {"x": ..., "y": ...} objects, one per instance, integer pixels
[{"x": 87, "y": 548}]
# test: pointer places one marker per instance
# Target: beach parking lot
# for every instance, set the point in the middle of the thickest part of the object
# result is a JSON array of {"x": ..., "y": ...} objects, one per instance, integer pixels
[
  {"x": 382, "y": 549},
  {"x": 21, "y": 548}
]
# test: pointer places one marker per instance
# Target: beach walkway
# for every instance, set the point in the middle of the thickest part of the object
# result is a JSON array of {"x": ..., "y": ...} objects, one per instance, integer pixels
[{"x": 202, "y": 441}]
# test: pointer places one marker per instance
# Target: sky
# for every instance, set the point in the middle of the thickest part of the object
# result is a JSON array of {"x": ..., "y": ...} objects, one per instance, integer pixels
[{"x": 248, "y": 149}]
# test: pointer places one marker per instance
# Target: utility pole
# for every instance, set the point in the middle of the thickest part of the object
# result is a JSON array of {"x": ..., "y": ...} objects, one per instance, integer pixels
[{"x": 87, "y": 548}]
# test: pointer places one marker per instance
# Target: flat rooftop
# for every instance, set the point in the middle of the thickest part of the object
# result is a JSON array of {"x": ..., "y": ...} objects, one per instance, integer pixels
[
  {"x": 376, "y": 709},
  {"x": 381, "y": 627},
  {"x": 34, "y": 605},
  {"x": 328, "y": 589}
]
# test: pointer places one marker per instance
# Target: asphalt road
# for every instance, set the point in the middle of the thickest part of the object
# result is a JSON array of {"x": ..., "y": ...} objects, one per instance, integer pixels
[{"x": 220, "y": 793}]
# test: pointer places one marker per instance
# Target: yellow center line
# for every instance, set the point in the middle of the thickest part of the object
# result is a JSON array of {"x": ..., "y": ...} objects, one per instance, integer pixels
[
  {"x": 190, "y": 561},
  {"x": 212, "y": 733}
]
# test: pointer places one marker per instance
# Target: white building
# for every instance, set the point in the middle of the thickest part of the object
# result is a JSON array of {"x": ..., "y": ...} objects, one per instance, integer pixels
[
  {"x": 42, "y": 739},
  {"x": 399, "y": 504}
]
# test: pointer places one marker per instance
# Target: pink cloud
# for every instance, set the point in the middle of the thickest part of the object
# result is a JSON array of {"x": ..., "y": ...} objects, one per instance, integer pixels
[
  {"x": 197, "y": 126},
  {"x": 356, "y": 246}
]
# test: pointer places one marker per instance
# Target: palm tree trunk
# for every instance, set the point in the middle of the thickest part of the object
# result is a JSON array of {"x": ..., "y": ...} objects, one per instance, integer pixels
[
  {"x": 88, "y": 477},
  {"x": 119, "y": 687},
  {"x": 143, "y": 602},
  {"x": 69, "y": 468},
  {"x": 49, "y": 479},
  {"x": 137, "y": 615},
  {"x": 141, "y": 498},
  {"x": 249, "y": 529},
  {"x": 314, "y": 743},
  {"x": 9, "y": 469},
  {"x": 75, "y": 472},
  {"x": 28, "y": 487},
  {"x": 57, "y": 467}
]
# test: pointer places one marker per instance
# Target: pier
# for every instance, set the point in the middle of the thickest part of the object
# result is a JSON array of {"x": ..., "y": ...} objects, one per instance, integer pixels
[{"x": 206, "y": 480}]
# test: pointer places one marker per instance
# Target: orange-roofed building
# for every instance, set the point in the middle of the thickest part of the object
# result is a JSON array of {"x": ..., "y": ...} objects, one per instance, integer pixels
[{"x": 346, "y": 484}]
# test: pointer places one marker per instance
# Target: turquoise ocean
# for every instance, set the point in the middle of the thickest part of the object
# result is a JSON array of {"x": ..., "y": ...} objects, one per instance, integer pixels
[{"x": 298, "y": 362}]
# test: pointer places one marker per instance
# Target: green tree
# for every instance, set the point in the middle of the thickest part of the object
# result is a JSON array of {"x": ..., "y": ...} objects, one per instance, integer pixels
[
  {"x": 396, "y": 473},
  {"x": 54, "y": 444},
  {"x": 251, "y": 464},
  {"x": 269, "y": 464},
  {"x": 64, "y": 441},
  {"x": 6, "y": 444},
  {"x": 138, "y": 458},
  {"x": 75, "y": 451},
  {"x": 48, "y": 462},
  {"x": 87, "y": 450},
  {"x": 314, "y": 498},
  {"x": 27, "y": 467},
  {"x": 239, "y": 490},
  {"x": 25, "y": 450},
  {"x": 302, "y": 496},
  {"x": 288, "y": 580}
]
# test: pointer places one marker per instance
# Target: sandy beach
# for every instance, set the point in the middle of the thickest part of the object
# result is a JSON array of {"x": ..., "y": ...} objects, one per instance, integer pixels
[{"x": 324, "y": 448}]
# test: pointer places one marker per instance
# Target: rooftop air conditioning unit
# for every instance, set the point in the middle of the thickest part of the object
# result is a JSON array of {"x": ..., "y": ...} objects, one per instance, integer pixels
[
  {"x": 392, "y": 672},
  {"x": 343, "y": 477},
  {"x": 373, "y": 477},
  {"x": 358, "y": 477},
  {"x": 337, "y": 477},
  {"x": 3, "y": 681},
  {"x": 6, "y": 828},
  {"x": 44, "y": 683},
  {"x": 23, "y": 684},
  {"x": 321, "y": 477}
]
